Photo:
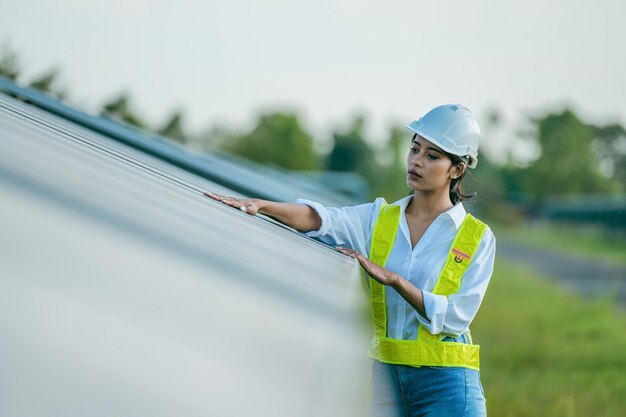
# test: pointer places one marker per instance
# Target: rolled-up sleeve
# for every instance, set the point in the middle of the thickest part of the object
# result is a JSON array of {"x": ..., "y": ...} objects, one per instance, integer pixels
[
  {"x": 349, "y": 226},
  {"x": 453, "y": 315}
]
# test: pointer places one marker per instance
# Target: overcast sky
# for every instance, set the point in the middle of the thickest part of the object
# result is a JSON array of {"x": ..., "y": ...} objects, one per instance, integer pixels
[{"x": 225, "y": 61}]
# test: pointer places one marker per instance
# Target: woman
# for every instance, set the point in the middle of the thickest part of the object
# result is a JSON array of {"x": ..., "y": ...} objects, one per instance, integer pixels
[{"x": 429, "y": 264}]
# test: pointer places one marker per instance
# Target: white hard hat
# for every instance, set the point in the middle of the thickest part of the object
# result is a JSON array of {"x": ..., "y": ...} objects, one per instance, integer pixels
[{"x": 453, "y": 128}]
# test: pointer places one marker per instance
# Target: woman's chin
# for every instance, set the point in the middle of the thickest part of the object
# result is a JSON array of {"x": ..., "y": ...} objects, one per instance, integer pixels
[{"x": 412, "y": 184}]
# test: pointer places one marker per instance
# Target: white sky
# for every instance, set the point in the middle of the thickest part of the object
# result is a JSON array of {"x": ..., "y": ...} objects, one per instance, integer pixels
[{"x": 225, "y": 61}]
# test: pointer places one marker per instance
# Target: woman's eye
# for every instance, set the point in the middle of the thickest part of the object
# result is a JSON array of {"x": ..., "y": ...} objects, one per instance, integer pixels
[
  {"x": 432, "y": 156},
  {"x": 414, "y": 150}
]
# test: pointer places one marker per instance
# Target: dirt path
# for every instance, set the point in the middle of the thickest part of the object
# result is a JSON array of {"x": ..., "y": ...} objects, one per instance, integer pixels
[{"x": 582, "y": 275}]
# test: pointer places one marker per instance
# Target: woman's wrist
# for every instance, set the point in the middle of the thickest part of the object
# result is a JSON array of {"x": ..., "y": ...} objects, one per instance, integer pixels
[
  {"x": 395, "y": 281},
  {"x": 261, "y": 205}
]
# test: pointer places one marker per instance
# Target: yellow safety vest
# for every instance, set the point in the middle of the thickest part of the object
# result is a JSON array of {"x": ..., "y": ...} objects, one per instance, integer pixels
[{"x": 427, "y": 349}]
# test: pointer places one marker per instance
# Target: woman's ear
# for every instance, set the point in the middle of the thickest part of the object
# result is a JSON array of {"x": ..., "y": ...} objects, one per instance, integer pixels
[{"x": 458, "y": 170}]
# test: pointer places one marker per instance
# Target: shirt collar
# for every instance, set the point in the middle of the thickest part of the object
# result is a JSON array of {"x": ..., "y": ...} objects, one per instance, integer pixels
[{"x": 456, "y": 213}]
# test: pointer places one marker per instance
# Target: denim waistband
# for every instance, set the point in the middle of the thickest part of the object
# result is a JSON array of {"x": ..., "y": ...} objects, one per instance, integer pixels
[{"x": 464, "y": 338}]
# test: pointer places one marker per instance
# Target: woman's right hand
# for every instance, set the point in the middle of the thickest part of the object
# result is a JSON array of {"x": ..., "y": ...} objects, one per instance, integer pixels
[
  {"x": 248, "y": 205},
  {"x": 298, "y": 216}
]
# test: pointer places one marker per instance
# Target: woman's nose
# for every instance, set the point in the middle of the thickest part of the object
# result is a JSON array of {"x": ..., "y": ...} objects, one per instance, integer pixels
[{"x": 417, "y": 160}]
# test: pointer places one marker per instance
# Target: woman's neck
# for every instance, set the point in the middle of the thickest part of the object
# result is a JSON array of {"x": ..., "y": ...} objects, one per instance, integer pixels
[{"x": 428, "y": 205}]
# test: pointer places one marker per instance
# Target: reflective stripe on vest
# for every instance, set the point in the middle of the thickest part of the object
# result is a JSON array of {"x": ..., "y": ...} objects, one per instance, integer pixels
[{"x": 427, "y": 349}]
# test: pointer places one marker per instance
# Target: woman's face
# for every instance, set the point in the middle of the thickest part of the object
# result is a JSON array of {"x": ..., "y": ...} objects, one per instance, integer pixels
[{"x": 428, "y": 167}]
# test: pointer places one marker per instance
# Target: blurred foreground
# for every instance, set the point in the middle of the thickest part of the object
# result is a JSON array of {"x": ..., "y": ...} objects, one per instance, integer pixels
[{"x": 124, "y": 291}]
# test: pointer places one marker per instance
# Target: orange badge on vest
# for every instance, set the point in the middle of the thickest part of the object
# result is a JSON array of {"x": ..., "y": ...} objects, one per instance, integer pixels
[{"x": 459, "y": 256}]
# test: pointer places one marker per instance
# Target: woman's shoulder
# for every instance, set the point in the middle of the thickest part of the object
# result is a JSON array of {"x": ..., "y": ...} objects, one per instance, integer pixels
[
  {"x": 369, "y": 207},
  {"x": 488, "y": 238},
  {"x": 381, "y": 202},
  {"x": 488, "y": 232},
  {"x": 378, "y": 204}
]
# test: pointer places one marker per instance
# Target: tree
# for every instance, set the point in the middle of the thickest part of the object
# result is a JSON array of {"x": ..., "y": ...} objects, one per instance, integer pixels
[
  {"x": 567, "y": 165},
  {"x": 610, "y": 145},
  {"x": 383, "y": 167},
  {"x": 48, "y": 81},
  {"x": 390, "y": 181},
  {"x": 9, "y": 64},
  {"x": 173, "y": 128},
  {"x": 120, "y": 108},
  {"x": 277, "y": 139},
  {"x": 350, "y": 152}
]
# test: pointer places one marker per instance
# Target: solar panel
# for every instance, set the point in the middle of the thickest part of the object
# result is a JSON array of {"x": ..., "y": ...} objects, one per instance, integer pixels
[
  {"x": 235, "y": 173},
  {"x": 124, "y": 291}
]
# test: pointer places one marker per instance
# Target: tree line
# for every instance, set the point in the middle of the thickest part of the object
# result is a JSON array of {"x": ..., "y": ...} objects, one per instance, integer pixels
[{"x": 575, "y": 158}]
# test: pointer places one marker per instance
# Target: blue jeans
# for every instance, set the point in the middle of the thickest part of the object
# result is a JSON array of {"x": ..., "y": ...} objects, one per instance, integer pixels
[{"x": 405, "y": 391}]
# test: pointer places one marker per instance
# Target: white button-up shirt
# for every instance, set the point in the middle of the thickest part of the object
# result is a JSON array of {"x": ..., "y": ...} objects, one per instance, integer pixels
[{"x": 352, "y": 227}]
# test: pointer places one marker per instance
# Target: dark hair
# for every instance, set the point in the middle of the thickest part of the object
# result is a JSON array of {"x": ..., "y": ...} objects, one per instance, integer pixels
[{"x": 456, "y": 191}]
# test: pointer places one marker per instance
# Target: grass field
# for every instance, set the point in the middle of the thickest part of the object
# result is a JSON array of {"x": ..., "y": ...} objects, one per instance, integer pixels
[
  {"x": 548, "y": 353},
  {"x": 586, "y": 242}
]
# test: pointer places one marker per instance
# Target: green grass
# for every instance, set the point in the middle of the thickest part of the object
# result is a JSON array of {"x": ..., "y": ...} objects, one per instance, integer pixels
[
  {"x": 545, "y": 352},
  {"x": 587, "y": 242}
]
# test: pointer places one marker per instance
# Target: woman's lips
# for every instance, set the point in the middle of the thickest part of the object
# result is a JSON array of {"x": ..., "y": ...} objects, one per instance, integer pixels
[{"x": 414, "y": 175}]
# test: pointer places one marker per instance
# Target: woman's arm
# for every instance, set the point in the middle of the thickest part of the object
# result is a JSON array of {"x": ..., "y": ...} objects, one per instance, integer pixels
[
  {"x": 298, "y": 216},
  {"x": 439, "y": 313},
  {"x": 408, "y": 291},
  {"x": 454, "y": 313}
]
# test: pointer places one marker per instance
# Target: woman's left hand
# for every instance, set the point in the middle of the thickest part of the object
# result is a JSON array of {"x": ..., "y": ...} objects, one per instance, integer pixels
[{"x": 380, "y": 274}]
